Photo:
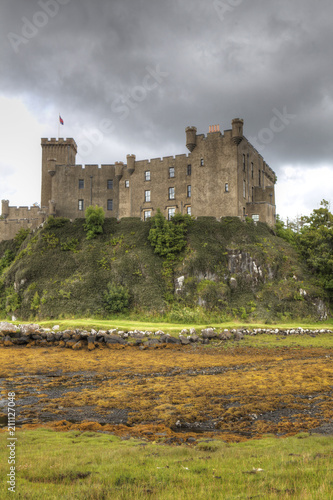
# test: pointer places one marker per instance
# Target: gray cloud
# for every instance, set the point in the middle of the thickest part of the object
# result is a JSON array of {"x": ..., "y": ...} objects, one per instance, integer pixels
[{"x": 254, "y": 58}]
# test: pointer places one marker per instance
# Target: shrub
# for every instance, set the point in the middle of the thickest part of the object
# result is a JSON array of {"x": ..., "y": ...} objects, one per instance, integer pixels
[
  {"x": 94, "y": 221},
  {"x": 21, "y": 236},
  {"x": 116, "y": 298},
  {"x": 6, "y": 260},
  {"x": 168, "y": 238},
  {"x": 55, "y": 223}
]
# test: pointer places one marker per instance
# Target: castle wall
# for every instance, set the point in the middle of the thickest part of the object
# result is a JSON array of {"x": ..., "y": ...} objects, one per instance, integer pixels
[
  {"x": 10, "y": 227},
  {"x": 214, "y": 176},
  {"x": 149, "y": 187},
  {"x": 223, "y": 175},
  {"x": 89, "y": 184}
]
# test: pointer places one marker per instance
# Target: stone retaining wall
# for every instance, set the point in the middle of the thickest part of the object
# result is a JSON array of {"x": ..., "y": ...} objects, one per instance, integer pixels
[{"x": 33, "y": 335}]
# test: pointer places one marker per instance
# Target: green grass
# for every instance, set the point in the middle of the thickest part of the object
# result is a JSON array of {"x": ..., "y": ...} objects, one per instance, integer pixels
[
  {"x": 88, "y": 465},
  {"x": 128, "y": 324}
]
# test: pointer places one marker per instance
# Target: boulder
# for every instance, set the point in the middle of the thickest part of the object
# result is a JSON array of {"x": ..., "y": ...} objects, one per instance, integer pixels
[
  {"x": 238, "y": 335},
  {"x": 8, "y": 328},
  {"x": 226, "y": 335},
  {"x": 77, "y": 346},
  {"x": 7, "y": 341},
  {"x": 114, "y": 339},
  {"x": 30, "y": 329},
  {"x": 208, "y": 333},
  {"x": 167, "y": 339}
]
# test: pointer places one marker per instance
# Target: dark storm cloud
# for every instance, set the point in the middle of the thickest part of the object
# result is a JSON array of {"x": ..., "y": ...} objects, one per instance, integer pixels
[{"x": 214, "y": 61}]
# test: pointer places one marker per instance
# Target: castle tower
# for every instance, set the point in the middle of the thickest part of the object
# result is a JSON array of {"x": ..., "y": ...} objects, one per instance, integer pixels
[
  {"x": 237, "y": 130},
  {"x": 5, "y": 208},
  {"x": 54, "y": 152},
  {"x": 191, "y": 138},
  {"x": 119, "y": 169},
  {"x": 130, "y": 164}
]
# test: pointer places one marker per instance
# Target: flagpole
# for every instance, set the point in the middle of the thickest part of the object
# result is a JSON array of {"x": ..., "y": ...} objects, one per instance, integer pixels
[{"x": 58, "y": 126}]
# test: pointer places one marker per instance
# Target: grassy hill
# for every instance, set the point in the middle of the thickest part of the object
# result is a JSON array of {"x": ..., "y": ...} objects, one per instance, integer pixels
[{"x": 227, "y": 269}]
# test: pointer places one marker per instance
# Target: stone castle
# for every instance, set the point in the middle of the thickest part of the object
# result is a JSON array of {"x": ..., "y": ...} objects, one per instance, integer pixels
[{"x": 223, "y": 175}]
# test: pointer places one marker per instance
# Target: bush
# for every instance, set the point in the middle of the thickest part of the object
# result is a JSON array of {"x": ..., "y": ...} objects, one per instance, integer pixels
[
  {"x": 168, "y": 237},
  {"x": 94, "y": 221},
  {"x": 116, "y": 299},
  {"x": 55, "y": 223},
  {"x": 21, "y": 236}
]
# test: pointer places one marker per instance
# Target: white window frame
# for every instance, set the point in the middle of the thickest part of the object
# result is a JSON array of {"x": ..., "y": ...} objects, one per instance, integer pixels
[
  {"x": 172, "y": 193},
  {"x": 171, "y": 212}
]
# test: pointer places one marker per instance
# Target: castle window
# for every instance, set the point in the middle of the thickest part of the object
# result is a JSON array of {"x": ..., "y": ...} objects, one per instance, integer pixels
[
  {"x": 147, "y": 195},
  {"x": 189, "y": 191},
  {"x": 147, "y": 175},
  {"x": 244, "y": 189},
  {"x": 147, "y": 214},
  {"x": 81, "y": 183},
  {"x": 252, "y": 195},
  {"x": 126, "y": 184},
  {"x": 110, "y": 184},
  {"x": 244, "y": 163},
  {"x": 226, "y": 187},
  {"x": 188, "y": 210},
  {"x": 255, "y": 217},
  {"x": 110, "y": 204},
  {"x": 171, "y": 212},
  {"x": 202, "y": 162},
  {"x": 171, "y": 193},
  {"x": 189, "y": 170},
  {"x": 81, "y": 205},
  {"x": 171, "y": 172},
  {"x": 252, "y": 170},
  {"x": 259, "y": 177}
]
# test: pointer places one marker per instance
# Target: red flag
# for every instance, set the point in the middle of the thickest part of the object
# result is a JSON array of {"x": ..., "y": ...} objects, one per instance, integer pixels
[{"x": 61, "y": 120}]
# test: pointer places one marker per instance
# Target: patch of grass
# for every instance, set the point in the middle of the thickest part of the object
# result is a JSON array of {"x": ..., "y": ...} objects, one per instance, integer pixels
[
  {"x": 95, "y": 466},
  {"x": 154, "y": 324}
]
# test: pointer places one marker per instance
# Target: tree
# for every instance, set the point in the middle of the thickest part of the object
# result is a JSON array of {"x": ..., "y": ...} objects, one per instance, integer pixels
[
  {"x": 316, "y": 244},
  {"x": 94, "y": 221}
]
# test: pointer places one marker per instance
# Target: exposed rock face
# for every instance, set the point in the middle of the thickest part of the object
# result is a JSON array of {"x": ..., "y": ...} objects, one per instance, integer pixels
[
  {"x": 322, "y": 309},
  {"x": 241, "y": 263}
]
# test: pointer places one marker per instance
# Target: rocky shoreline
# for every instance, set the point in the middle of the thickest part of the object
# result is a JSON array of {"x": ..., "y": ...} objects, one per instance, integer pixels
[{"x": 33, "y": 335}]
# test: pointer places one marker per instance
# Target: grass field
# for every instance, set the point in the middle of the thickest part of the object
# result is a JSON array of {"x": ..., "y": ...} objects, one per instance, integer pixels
[{"x": 88, "y": 465}]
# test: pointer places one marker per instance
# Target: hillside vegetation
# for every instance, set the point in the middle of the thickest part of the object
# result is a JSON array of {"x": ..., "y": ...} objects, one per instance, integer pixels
[{"x": 181, "y": 270}]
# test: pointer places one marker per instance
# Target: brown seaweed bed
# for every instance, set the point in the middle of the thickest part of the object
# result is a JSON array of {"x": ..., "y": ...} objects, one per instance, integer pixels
[{"x": 172, "y": 394}]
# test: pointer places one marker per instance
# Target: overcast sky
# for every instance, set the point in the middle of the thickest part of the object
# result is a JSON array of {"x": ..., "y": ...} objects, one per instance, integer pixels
[{"x": 127, "y": 76}]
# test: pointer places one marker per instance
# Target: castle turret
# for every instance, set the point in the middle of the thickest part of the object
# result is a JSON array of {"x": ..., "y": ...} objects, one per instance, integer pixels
[
  {"x": 237, "y": 130},
  {"x": 54, "y": 152},
  {"x": 130, "y": 164},
  {"x": 5, "y": 208},
  {"x": 119, "y": 168},
  {"x": 191, "y": 138}
]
